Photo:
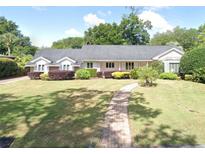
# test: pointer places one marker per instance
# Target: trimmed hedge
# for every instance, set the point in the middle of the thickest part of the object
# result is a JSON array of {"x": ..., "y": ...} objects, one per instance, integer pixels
[
  {"x": 61, "y": 75},
  {"x": 44, "y": 76},
  {"x": 8, "y": 67},
  {"x": 34, "y": 75},
  {"x": 92, "y": 71},
  {"x": 83, "y": 74},
  {"x": 192, "y": 60},
  {"x": 121, "y": 75},
  {"x": 168, "y": 76}
]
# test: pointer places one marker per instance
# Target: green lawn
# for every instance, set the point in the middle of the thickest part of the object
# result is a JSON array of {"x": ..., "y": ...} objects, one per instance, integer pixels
[
  {"x": 55, "y": 113},
  {"x": 172, "y": 113}
]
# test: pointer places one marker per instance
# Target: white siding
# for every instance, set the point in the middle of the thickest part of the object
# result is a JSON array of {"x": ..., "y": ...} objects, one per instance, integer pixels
[
  {"x": 66, "y": 62},
  {"x": 171, "y": 57},
  {"x": 96, "y": 65},
  {"x": 41, "y": 62}
]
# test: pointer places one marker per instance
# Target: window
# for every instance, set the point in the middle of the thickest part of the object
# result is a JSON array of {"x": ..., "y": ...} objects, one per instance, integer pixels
[
  {"x": 89, "y": 65},
  {"x": 65, "y": 67},
  {"x": 40, "y": 68},
  {"x": 110, "y": 65},
  {"x": 174, "y": 67},
  {"x": 129, "y": 65}
]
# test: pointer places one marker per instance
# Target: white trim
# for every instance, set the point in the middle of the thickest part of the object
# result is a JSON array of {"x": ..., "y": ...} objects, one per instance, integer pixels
[
  {"x": 114, "y": 60},
  {"x": 166, "y": 52},
  {"x": 54, "y": 65},
  {"x": 41, "y": 58},
  {"x": 64, "y": 58},
  {"x": 29, "y": 65}
]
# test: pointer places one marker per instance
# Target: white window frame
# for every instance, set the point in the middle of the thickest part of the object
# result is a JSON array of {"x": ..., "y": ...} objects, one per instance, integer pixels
[
  {"x": 65, "y": 67},
  {"x": 40, "y": 67}
]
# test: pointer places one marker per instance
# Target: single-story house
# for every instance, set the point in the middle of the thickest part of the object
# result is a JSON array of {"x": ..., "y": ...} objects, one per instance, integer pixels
[{"x": 106, "y": 58}]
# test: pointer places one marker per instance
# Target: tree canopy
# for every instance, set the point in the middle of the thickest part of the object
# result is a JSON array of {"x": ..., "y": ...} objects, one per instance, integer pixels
[
  {"x": 131, "y": 30},
  {"x": 70, "y": 42},
  {"x": 12, "y": 41},
  {"x": 180, "y": 36}
]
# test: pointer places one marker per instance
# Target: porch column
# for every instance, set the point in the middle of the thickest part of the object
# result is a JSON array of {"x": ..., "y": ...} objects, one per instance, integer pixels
[{"x": 119, "y": 66}]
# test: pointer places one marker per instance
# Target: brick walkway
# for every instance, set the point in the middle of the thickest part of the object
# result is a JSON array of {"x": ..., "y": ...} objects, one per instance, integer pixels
[{"x": 117, "y": 132}]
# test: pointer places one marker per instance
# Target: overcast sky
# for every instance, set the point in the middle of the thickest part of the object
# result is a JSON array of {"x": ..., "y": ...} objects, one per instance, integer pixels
[{"x": 47, "y": 24}]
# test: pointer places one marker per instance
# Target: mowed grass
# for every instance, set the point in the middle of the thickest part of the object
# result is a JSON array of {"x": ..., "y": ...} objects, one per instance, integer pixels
[
  {"x": 56, "y": 113},
  {"x": 170, "y": 114}
]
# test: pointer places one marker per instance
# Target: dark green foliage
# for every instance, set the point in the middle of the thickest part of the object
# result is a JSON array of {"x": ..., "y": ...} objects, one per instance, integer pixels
[
  {"x": 134, "y": 74},
  {"x": 83, "y": 74},
  {"x": 147, "y": 75},
  {"x": 192, "y": 60},
  {"x": 70, "y": 42},
  {"x": 8, "y": 67},
  {"x": 92, "y": 71},
  {"x": 158, "y": 66},
  {"x": 12, "y": 41},
  {"x": 134, "y": 30},
  {"x": 131, "y": 30},
  {"x": 183, "y": 37},
  {"x": 199, "y": 75},
  {"x": 104, "y": 34},
  {"x": 168, "y": 76},
  {"x": 121, "y": 75}
]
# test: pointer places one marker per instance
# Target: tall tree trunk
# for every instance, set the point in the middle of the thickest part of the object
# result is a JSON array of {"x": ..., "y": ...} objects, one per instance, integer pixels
[{"x": 9, "y": 51}]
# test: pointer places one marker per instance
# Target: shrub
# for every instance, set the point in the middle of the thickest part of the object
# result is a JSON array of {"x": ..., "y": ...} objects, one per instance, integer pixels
[
  {"x": 61, "y": 75},
  {"x": 108, "y": 74},
  {"x": 83, "y": 74},
  {"x": 34, "y": 75},
  {"x": 92, "y": 71},
  {"x": 44, "y": 76},
  {"x": 134, "y": 74},
  {"x": 199, "y": 75},
  {"x": 188, "y": 77},
  {"x": 147, "y": 75},
  {"x": 192, "y": 60},
  {"x": 99, "y": 74},
  {"x": 8, "y": 67},
  {"x": 158, "y": 66},
  {"x": 168, "y": 76},
  {"x": 121, "y": 75}
]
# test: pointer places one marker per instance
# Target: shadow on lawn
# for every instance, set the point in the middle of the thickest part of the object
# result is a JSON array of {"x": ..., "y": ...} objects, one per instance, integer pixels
[
  {"x": 153, "y": 135},
  {"x": 68, "y": 118}
]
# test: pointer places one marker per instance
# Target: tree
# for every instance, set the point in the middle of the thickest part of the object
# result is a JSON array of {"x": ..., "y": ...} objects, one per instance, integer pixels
[
  {"x": 12, "y": 39},
  {"x": 71, "y": 42},
  {"x": 147, "y": 75},
  {"x": 134, "y": 30},
  {"x": 181, "y": 36},
  {"x": 104, "y": 34},
  {"x": 8, "y": 40},
  {"x": 192, "y": 60},
  {"x": 131, "y": 30},
  {"x": 201, "y": 36}
]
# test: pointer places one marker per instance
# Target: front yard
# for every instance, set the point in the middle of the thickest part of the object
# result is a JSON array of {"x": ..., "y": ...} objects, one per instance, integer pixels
[
  {"x": 55, "y": 113},
  {"x": 170, "y": 114}
]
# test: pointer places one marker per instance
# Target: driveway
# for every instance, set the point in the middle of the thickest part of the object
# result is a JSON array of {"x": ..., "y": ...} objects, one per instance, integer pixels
[{"x": 5, "y": 81}]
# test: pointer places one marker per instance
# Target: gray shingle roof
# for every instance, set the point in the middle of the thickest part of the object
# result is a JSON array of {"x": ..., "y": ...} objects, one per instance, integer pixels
[{"x": 104, "y": 52}]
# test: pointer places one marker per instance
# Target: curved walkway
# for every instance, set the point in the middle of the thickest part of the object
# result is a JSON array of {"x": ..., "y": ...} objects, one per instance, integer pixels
[{"x": 117, "y": 132}]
